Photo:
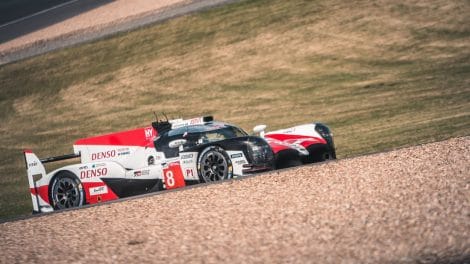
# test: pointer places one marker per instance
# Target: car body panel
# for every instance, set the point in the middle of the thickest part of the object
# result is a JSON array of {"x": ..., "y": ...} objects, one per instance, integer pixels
[{"x": 142, "y": 160}]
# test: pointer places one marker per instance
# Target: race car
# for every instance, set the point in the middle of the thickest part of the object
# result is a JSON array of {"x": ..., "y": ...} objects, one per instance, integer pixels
[{"x": 169, "y": 154}]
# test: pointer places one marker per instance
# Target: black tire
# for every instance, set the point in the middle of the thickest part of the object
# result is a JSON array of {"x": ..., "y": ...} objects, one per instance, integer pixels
[
  {"x": 214, "y": 165},
  {"x": 319, "y": 153},
  {"x": 66, "y": 191},
  {"x": 287, "y": 158}
]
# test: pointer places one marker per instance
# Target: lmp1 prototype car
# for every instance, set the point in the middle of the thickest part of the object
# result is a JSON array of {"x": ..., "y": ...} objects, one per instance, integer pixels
[{"x": 168, "y": 155}]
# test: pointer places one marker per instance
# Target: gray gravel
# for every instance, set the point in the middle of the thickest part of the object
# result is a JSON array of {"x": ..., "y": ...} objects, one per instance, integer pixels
[
  {"x": 409, "y": 206},
  {"x": 95, "y": 33}
]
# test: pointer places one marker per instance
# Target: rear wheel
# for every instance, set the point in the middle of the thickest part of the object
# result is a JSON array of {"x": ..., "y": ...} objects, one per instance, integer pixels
[
  {"x": 214, "y": 165},
  {"x": 66, "y": 191}
]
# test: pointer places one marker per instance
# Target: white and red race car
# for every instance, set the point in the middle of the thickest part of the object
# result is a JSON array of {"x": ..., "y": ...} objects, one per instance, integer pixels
[{"x": 167, "y": 155}]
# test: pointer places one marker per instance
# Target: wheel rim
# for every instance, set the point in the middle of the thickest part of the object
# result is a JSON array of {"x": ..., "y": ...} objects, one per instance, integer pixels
[
  {"x": 214, "y": 166},
  {"x": 66, "y": 193}
]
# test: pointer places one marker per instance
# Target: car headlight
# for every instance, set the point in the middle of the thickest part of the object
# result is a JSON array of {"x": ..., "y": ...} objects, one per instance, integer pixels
[
  {"x": 325, "y": 132},
  {"x": 259, "y": 151}
]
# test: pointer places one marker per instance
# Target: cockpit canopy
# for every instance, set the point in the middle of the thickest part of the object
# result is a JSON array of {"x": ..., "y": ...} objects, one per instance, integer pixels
[{"x": 196, "y": 135}]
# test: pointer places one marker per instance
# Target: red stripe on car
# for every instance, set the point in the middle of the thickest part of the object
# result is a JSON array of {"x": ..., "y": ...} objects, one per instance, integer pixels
[
  {"x": 289, "y": 137},
  {"x": 43, "y": 192},
  {"x": 136, "y": 137}
]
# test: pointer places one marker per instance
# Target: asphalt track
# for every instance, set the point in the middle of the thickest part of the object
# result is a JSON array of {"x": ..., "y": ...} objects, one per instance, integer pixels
[
  {"x": 56, "y": 15},
  {"x": 15, "y": 11},
  {"x": 409, "y": 205},
  {"x": 45, "y": 18}
]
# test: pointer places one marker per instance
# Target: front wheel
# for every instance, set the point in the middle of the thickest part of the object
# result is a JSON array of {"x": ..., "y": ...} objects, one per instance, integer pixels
[
  {"x": 66, "y": 191},
  {"x": 319, "y": 153},
  {"x": 214, "y": 165}
]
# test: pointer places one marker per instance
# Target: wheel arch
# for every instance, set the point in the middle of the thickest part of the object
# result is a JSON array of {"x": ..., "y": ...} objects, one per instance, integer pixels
[
  {"x": 220, "y": 148},
  {"x": 319, "y": 152},
  {"x": 287, "y": 158},
  {"x": 63, "y": 172}
]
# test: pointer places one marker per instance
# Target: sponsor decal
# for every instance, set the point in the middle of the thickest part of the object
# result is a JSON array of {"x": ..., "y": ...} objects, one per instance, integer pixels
[
  {"x": 148, "y": 133},
  {"x": 103, "y": 155},
  {"x": 188, "y": 161},
  {"x": 141, "y": 173},
  {"x": 189, "y": 173},
  {"x": 83, "y": 167},
  {"x": 240, "y": 162},
  {"x": 237, "y": 155},
  {"x": 99, "y": 190},
  {"x": 93, "y": 173},
  {"x": 187, "y": 156},
  {"x": 97, "y": 165},
  {"x": 32, "y": 164},
  {"x": 195, "y": 121},
  {"x": 123, "y": 149}
]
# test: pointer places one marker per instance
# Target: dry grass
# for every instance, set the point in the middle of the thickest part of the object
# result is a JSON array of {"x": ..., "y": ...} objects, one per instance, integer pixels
[{"x": 381, "y": 74}]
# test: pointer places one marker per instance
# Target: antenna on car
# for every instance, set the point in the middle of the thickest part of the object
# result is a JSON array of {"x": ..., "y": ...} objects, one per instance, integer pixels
[
  {"x": 161, "y": 126},
  {"x": 163, "y": 113},
  {"x": 156, "y": 116}
]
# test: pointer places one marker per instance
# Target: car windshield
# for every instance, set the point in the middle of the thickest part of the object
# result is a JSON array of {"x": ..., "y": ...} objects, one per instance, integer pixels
[
  {"x": 199, "y": 134},
  {"x": 196, "y": 135}
]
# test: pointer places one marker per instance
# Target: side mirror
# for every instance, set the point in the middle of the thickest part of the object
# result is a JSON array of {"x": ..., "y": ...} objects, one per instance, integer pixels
[
  {"x": 177, "y": 143},
  {"x": 259, "y": 129}
]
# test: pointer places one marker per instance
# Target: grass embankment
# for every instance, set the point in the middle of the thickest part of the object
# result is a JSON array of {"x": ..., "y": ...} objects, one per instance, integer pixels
[{"x": 382, "y": 74}]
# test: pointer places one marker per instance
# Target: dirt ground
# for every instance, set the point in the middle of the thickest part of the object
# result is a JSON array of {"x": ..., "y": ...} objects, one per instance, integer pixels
[{"x": 406, "y": 206}]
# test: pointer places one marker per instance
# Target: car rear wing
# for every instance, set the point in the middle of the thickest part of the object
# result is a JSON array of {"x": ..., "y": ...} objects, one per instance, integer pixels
[
  {"x": 37, "y": 172},
  {"x": 58, "y": 158}
]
